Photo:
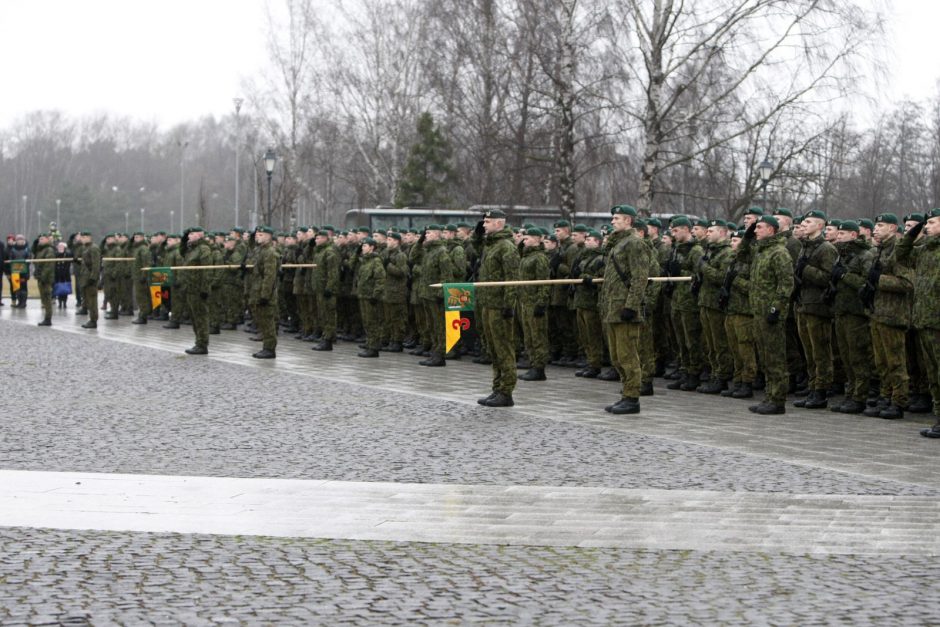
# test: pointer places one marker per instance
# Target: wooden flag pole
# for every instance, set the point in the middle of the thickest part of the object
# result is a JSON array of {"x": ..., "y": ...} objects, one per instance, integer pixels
[
  {"x": 226, "y": 267},
  {"x": 658, "y": 279}
]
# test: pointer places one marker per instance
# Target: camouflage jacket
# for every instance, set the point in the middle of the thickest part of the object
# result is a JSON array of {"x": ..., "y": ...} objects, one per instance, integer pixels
[
  {"x": 326, "y": 276},
  {"x": 438, "y": 267},
  {"x": 370, "y": 280},
  {"x": 893, "y": 298},
  {"x": 499, "y": 261},
  {"x": 626, "y": 271},
  {"x": 856, "y": 256},
  {"x": 713, "y": 266},
  {"x": 533, "y": 266},
  {"x": 45, "y": 272},
  {"x": 683, "y": 261},
  {"x": 818, "y": 256},
  {"x": 771, "y": 280},
  {"x": 396, "y": 277},
  {"x": 592, "y": 265},
  {"x": 263, "y": 279},
  {"x": 739, "y": 294},
  {"x": 459, "y": 258},
  {"x": 90, "y": 267},
  {"x": 925, "y": 261},
  {"x": 197, "y": 281}
]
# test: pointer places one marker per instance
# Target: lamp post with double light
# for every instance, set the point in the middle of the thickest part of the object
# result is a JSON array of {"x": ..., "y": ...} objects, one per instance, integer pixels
[
  {"x": 766, "y": 169},
  {"x": 270, "y": 157}
]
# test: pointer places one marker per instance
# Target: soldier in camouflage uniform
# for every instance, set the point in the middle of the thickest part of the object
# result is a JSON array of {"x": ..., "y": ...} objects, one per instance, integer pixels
[
  {"x": 263, "y": 281},
  {"x": 771, "y": 285},
  {"x": 499, "y": 261},
  {"x": 626, "y": 271},
  {"x": 814, "y": 315},
  {"x": 174, "y": 257},
  {"x": 590, "y": 329},
  {"x": 925, "y": 318},
  {"x": 143, "y": 258},
  {"x": 45, "y": 276},
  {"x": 733, "y": 299},
  {"x": 111, "y": 276},
  {"x": 564, "y": 323},
  {"x": 88, "y": 271},
  {"x": 370, "y": 287},
  {"x": 851, "y": 322},
  {"x": 647, "y": 348},
  {"x": 437, "y": 267},
  {"x": 394, "y": 303},
  {"x": 683, "y": 261},
  {"x": 533, "y": 304},
  {"x": 326, "y": 287},
  {"x": 893, "y": 286},
  {"x": 233, "y": 254},
  {"x": 197, "y": 284},
  {"x": 712, "y": 268}
]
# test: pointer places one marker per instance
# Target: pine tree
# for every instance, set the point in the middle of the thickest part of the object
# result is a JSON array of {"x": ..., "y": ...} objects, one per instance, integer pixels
[{"x": 428, "y": 174}]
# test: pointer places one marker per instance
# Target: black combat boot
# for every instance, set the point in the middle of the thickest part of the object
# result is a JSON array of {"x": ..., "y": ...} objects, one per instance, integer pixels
[
  {"x": 727, "y": 392},
  {"x": 46, "y": 322},
  {"x": 588, "y": 373},
  {"x": 690, "y": 384},
  {"x": 932, "y": 432},
  {"x": 533, "y": 374},
  {"x": 227, "y": 326},
  {"x": 499, "y": 400},
  {"x": 766, "y": 408},
  {"x": 714, "y": 386},
  {"x": 139, "y": 320},
  {"x": 111, "y": 315},
  {"x": 172, "y": 324},
  {"x": 452, "y": 354},
  {"x": 677, "y": 383},
  {"x": 368, "y": 352},
  {"x": 91, "y": 324},
  {"x": 892, "y": 412},
  {"x": 744, "y": 391},
  {"x": 394, "y": 347},
  {"x": 486, "y": 399},
  {"x": 874, "y": 411},
  {"x": 809, "y": 397},
  {"x": 920, "y": 404},
  {"x": 197, "y": 350},
  {"x": 608, "y": 374},
  {"x": 433, "y": 361},
  {"x": 849, "y": 406},
  {"x": 646, "y": 389},
  {"x": 264, "y": 354},
  {"x": 626, "y": 405},
  {"x": 819, "y": 402},
  {"x": 324, "y": 345}
]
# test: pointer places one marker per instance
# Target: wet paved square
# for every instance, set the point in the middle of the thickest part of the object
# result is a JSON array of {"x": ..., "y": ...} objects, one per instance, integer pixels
[{"x": 326, "y": 487}]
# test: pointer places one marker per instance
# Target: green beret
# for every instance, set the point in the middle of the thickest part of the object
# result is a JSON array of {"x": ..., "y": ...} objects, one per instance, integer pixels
[
  {"x": 581, "y": 228},
  {"x": 413, "y": 231},
  {"x": 772, "y": 221},
  {"x": 173, "y": 235},
  {"x": 640, "y": 224},
  {"x": 798, "y": 220},
  {"x": 193, "y": 229},
  {"x": 450, "y": 227},
  {"x": 933, "y": 213},
  {"x": 395, "y": 235},
  {"x": 595, "y": 234},
  {"x": 702, "y": 222},
  {"x": 237, "y": 229},
  {"x": 716, "y": 222},
  {"x": 655, "y": 222},
  {"x": 369, "y": 241},
  {"x": 528, "y": 225},
  {"x": 159, "y": 233},
  {"x": 552, "y": 237},
  {"x": 265, "y": 229},
  {"x": 680, "y": 221},
  {"x": 754, "y": 211},
  {"x": 887, "y": 218},
  {"x": 739, "y": 233},
  {"x": 464, "y": 225},
  {"x": 141, "y": 233},
  {"x": 562, "y": 224},
  {"x": 495, "y": 213},
  {"x": 815, "y": 213},
  {"x": 626, "y": 210},
  {"x": 919, "y": 217},
  {"x": 534, "y": 231},
  {"x": 433, "y": 227},
  {"x": 865, "y": 222},
  {"x": 84, "y": 233},
  {"x": 781, "y": 211},
  {"x": 834, "y": 222},
  {"x": 732, "y": 226},
  {"x": 303, "y": 229},
  {"x": 849, "y": 225}
]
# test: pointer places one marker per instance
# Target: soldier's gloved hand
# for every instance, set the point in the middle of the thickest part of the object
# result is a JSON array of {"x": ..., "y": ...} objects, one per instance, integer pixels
[
  {"x": 838, "y": 272},
  {"x": 915, "y": 230},
  {"x": 204, "y": 295},
  {"x": 478, "y": 230},
  {"x": 327, "y": 294},
  {"x": 774, "y": 316},
  {"x": 627, "y": 314},
  {"x": 588, "y": 281},
  {"x": 264, "y": 302},
  {"x": 539, "y": 311},
  {"x": 508, "y": 313},
  {"x": 750, "y": 233},
  {"x": 373, "y": 301}
]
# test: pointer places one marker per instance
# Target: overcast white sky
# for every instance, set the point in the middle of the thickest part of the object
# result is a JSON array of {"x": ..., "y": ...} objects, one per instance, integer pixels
[{"x": 170, "y": 61}]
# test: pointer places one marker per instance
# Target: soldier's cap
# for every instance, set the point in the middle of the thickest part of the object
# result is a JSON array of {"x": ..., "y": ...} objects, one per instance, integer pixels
[
  {"x": 141, "y": 233},
  {"x": 933, "y": 213},
  {"x": 754, "y": 211},
  {"x": 561, "y": 224},
  {"x": 834, "y": 222},
  {"x": 732, "y": 226},
  {"x": 85, "y": 233},
  {"x": 464, "y": 225},
  {"x": 595, "y": 234},
  {"x": 739, "y": 233},
  {"x": 772, "y": 221},
  {"x": 361, "y": 229},
  {"x": 450, "y": 227},
  {"x": 680, "y": 221},
  {"x": 720, "y": 223},
  {"x": 783, "y": 211},
  {"x": 193, "y": 229},
  {"x": 552, "y": 237},
  {"x": 433, "y": 227},
  {"x": 528, "y": 225},
  {"x": 546, "y": 232},
  {"x": 865, "y": 222},
  {"x": 816, "y": 213},
  {"x": 640, "y": 224},
  {"x": 369, "y": 241},
  {"x": 159, "y": 233},
  {"x": 395, "y": 235},
  {"x": 174, "y": 235},
  {"x": 626, "y": 210},
  {"x": 44, "y": 234},
  {"x": 702, "y": 222},
  {"x": 303, "y": 229},
  {"x": 495, "y": 213},
  {"x": 798, "y": 220},
  {"x": 393, "y": 229},
  {"x": 849, "y": 225},
  {"x": 887, "y": 218},
  {"x": 232, "y": 238},
  {"x": 265, "y": 229},
  {"x": 918, "y": 217},
  {"x": 237, "y": 229},
  {"x": 655, "y": 222},
  {"x": 534, "y": 231},
  {"x": 413, "y": 231},
  {"x": 581, "y": 228}
]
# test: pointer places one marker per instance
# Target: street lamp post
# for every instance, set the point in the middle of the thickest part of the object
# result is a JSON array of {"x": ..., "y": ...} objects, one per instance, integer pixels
[
  {"x": 142, "y": 211},
  {"x": 58, "y": 212},
  {"x": 39, "y": 219},
  {"x": 127, "y": 217},
  {"x": 238, "y": 107},
  {"x": 269, "y": 159},
  {"x": 766, "y": 169},
  {"x": 182, "y": 146},
  {"x": 172, "y": 214},
  {"x": 23, "y": 224}
]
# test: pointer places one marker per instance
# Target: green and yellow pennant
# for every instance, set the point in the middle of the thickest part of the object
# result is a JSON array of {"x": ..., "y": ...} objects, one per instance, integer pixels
[{"x": 458, "y": 298}]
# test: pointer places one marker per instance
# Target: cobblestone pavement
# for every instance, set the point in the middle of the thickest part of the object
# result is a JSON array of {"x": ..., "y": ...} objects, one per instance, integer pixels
[
  {"x": 131, "y": 578},
  {"x": 126, "y": 400}
]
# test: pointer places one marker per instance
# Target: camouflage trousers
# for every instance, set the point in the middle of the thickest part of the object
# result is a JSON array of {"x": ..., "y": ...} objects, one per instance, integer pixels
[
  {"x": 90, "y": 300},
  {"x": 662, "y": 330},
  {"x": 326, "y": 316},
  {"x": 623, "y": 339},
  {"x": 916, "y": 364},
  {"x": 434, "y": 319},
  {"x": 199, "y": 311},
  {"x": 739, "y": 329},
  {"x": 563, "y": 330},
  {"x": 854, "y": 340},
  {"x": 771, "y": 343},
  {"x": 688, "y": 328},
  {"x": 144, "y": 306},
  {"x": 396, "y": 319},
  {"x": 501, "y": 346},
  {"x": 647, "y": 352},
  {"x": 306, "y": 311},
  {"x": 716, "y": 343},
  {"x": 422, "y": 333},
  {"x": 265, "y": 318},
  {"x": 371, "y": 311},
  {"x": 535, "y": 334},
  {"x": 929, "y": 341},
  {"x": 45, "y": 297},
  {"x": 816, "y": 336},
  {"x": 890, "y": 352},
  {"x": 177, "y": 303},
  {"x": 591, "y": 334}
]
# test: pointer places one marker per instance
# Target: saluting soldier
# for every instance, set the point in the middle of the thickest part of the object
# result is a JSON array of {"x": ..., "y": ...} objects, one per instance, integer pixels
[
  {"x": 626, "y": 272},
  {"x": 262, "y": 294}
]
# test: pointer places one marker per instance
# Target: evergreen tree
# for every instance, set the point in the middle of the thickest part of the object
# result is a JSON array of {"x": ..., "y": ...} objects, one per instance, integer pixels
[{"x": 428, "y": 174}]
